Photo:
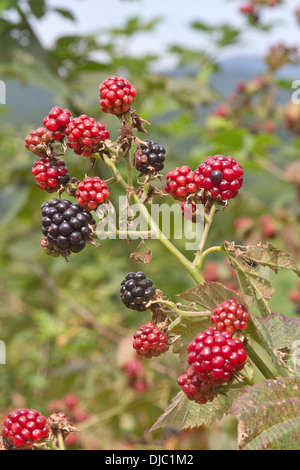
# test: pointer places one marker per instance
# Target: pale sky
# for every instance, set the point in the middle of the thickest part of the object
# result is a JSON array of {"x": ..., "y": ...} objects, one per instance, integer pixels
[{"x": 96, "y": 15}]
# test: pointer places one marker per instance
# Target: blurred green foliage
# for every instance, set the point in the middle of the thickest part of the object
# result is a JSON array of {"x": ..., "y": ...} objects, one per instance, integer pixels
[{"x": 62, "y": 322}]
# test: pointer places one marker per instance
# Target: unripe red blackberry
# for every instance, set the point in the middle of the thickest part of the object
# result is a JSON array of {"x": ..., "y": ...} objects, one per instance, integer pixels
[
  {"x": 150, "y": 158},
  {"x": 116, "y": 95},
  {"x": 220, "y": 176},
  {"x": 50, "y": 173},
  {"x": 23, "y": 427},
  {"x": 190, "y": 211},
  {"x": 50, "y": 249},
  {"x": 195, "y": 389},
  {"x": 230, "y": 316},
  {"x": 91, "y": 192},
  {"x": 134, "y": 369},
  {"x": 215, "y": 356},
  {"x": 149, "y": 341},
  {"x": 181, "y": 183},
  {"x": 56, "y": 121},
  {"x": 136, "y": 291},
  {"x": 37, "y": 141},
  {"x": 84, "y": 134},
  {"x": 66, "y": 225}
]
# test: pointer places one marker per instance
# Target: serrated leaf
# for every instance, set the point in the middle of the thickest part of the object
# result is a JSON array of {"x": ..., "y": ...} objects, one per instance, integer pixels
[
  {"x": 187, "y": 331},
  {"x": 269, "y": 415},
  {"x": 183, "y": 413},
  {"x": 252, "y": 283},
  {"x": 280, "y": 336},
  {"x": 209, "y": 294},
  {"x": 265, "y": 255}
]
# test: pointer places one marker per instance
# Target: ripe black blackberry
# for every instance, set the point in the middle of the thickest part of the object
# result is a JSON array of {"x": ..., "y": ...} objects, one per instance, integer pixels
[
  {"x": 66, "y": 225},
  {"x": 136, "y": 291},
  {"x": 150, "y": 158}
]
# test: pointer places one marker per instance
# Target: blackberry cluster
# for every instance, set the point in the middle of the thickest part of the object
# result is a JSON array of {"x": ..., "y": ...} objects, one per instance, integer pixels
[
  {"x": 116, "y": 95},
  {"x": 50, "y": 173},
  {"x": 66, "y": 225},
  {"x": 230, "y": 316},
  {"x": 22, "y": 428},
  {"x": 136, "y": 291},
  {"x": 150, "y": 157},
  {"x": 150, "y": 341}
]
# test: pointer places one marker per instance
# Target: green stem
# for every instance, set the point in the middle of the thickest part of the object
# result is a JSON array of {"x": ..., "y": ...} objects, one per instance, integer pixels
[
  {"x": 208, "y": 221},
  {"x": 129, "y": 171},
  {"x": 260, "y": 364},
  {"x": 182, "y": 313}
]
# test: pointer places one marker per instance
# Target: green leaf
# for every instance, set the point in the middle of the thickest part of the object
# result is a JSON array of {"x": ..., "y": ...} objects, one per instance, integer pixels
[
  {"x": 209, "y": 294},
  {"x": 252, "y": 283},
  {"x": 187, "y": 330},
  {"x": 6, "y": 4},
  {"x": 269, "y": 415},
  {"x": 269, "y": 256},
  {"x": 38, "y": 7},
  {"x": 280, "y": 336},
  {"x": 65, "y": 13},
  {"x": 183, "y": 413}
]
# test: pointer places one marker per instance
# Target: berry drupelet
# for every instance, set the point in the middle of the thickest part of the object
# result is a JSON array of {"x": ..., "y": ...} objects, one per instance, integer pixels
[
  {"x": 136, "y": 291},
  {"x": 22, "y": 428},
  {"x": 50, "y": 173},
  {"x": 116, "y": 95},
  {"x": 149, "y": 341},
  {"x": 220, "y": 176},
  {"x": 66, "y": 225},
  {"x": 230, "y": 316},
  {"x": 149, "y": 158},
  {"x": 91, "y": 193}
]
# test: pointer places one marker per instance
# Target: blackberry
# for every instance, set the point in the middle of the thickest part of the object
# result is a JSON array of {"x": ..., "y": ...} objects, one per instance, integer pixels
[
  {"x": 215, "y": 356},
  {"x": 181, "y": 183},
  {"x": 56, "y": 121},
  {"x": 116, "y": 95},
  {"x": 230, "y": 316},
  {"x": 136, "y": 291},
  {"x": 23, "y": 427},
  {"x": 84, "y": 134},
  {"x": 66, "y": 225},
  {"x": 38, "y": 141},
  {"x": 220, "y": 177},
  {"x": 91, "y": 193},
  {"x": 149, "y": 158},
  {"x": 50, "y": 173},
  {"x": 150, "y": 341}
]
